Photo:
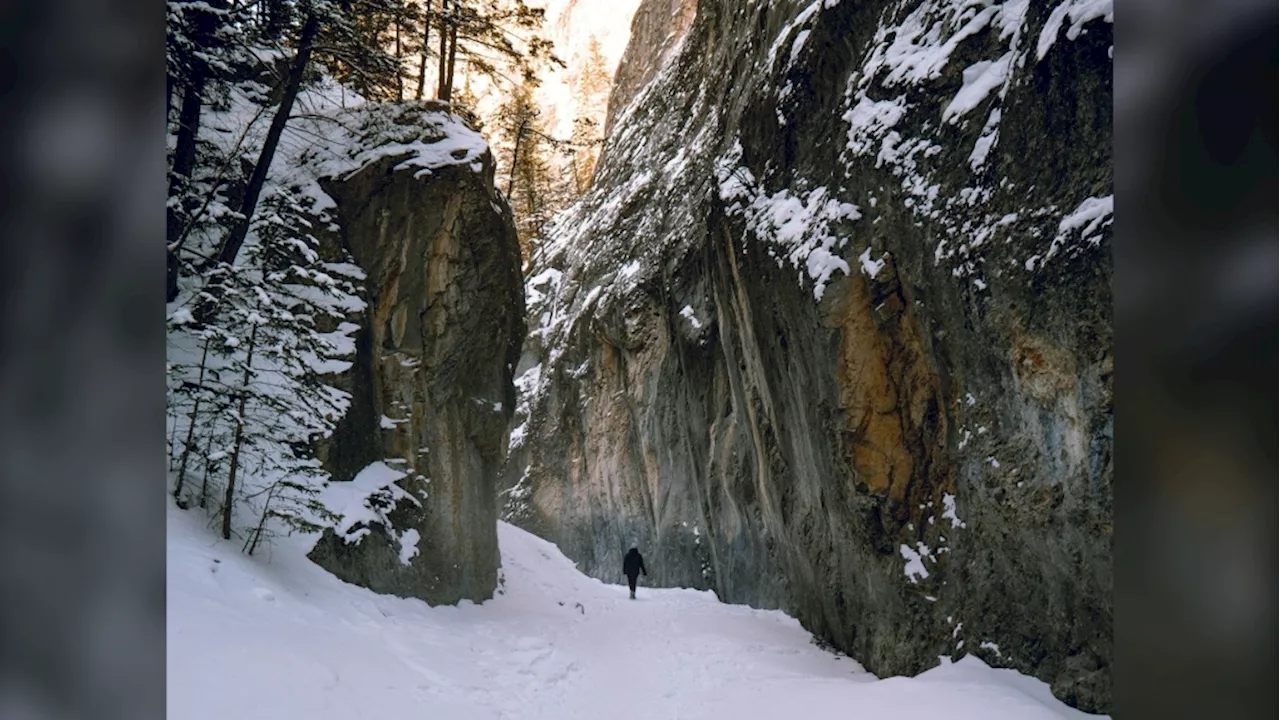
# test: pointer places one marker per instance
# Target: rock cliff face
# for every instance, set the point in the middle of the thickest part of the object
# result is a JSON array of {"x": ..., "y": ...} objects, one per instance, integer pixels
[
  {"x": 431, "y": 381},
  {"x": 832, "y": 332},
  {"x": 656, "y": 30}
]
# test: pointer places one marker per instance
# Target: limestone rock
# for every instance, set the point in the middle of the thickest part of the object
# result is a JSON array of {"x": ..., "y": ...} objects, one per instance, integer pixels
[
  {"x": 832, "y": 331},
  {"x": 432, "y": 376}
]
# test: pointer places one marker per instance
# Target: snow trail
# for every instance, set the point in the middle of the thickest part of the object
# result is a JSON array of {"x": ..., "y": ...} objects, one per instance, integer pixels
[{"x": 277, "y": 637}]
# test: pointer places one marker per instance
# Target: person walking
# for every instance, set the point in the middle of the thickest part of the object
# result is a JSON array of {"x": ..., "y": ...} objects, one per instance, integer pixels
[{"x": 632, "y": 566}]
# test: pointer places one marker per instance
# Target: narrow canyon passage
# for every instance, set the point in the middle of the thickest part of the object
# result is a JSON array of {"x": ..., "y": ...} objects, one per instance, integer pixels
[{"x": 808, "y": 300}]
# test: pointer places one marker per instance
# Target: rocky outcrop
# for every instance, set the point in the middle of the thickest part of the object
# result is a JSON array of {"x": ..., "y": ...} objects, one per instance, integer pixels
[
  {"x": 431, "y": 380},
  {"x": 832, "y": 332},
  {"x": 656, "y": 30}
]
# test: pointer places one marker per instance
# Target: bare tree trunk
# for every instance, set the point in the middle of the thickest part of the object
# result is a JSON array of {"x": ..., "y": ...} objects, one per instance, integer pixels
[
  {"x": 530, "y": 192},
  {"x": 275, "y": 17},
  {"x": 253, "y": 189},
  {"x": 515, "y": 157},
  {"x": 173, "y": 431},
  {"x": 191, "y": 427},
  {"x": 184, "y": 151},
  {"x": 453, "y": 57},
  {"x": 183, "y": 163},
  {"x": 235, "y": 239},
  {"x": 442, "y": 91},
  {"x": 239, "y": 438},
  {"x": 426, "y": 43},
  {"x": 203, "y": 500},
  {"x": 204, "y": 26},
  {"x": 252, "y": 542},
  {"x": 169, "y": 85},
  {"x": 399, "y": 65}
]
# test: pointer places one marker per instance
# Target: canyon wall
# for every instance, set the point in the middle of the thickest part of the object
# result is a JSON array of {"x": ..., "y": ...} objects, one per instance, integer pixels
[{"x": 832, "y": 331}]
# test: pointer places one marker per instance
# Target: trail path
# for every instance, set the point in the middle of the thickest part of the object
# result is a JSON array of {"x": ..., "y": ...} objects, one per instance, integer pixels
[{"x": 278, "y": 639}]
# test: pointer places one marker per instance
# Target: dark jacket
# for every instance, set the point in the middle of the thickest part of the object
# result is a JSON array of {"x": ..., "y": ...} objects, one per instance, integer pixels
[{"x": 633, "y": 564}]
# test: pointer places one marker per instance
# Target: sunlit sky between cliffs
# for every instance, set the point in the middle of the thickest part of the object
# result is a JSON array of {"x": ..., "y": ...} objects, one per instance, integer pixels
[{"x": 571, "y": 24}]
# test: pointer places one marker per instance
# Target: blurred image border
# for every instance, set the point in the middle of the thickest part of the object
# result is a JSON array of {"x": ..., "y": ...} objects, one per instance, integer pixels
[
  {"x": 82, "y": 193},
  {"x": 1195, "y": 291}
]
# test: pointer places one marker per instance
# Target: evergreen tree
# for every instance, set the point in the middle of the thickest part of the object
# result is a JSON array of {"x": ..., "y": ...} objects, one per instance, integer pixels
[
  {"x": 585, "y": 150},
  {"x": 424, "y": 49},
  {"x": 465, "y": 102},
  {"x": 258, "y": 312},
  {"x": 528, "y": 151},
  {"x": 591, "y": 84},
  {"x": 325, "y": 29},
  {"x": 201, "y": 53},
  {"x": 247, "y": 395},
  {"x": 499, "y": 39},
  {"x": 593, "y": 80},
  {"x": 370, "y": 45},
  {"x": 258, "y": 393}
]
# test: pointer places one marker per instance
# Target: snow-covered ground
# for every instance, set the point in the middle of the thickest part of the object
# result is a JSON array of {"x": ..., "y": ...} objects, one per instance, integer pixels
[{"x": 276, "y": 637}]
